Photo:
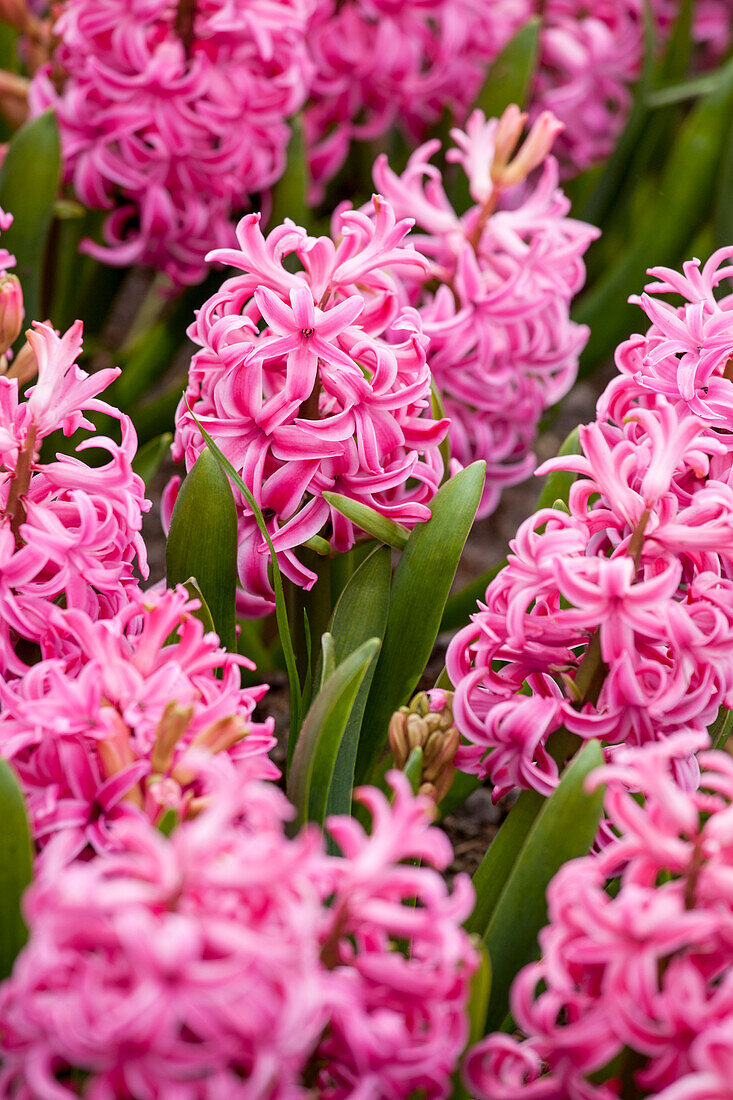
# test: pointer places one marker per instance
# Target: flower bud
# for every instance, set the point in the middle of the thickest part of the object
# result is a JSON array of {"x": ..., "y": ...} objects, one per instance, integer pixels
[
  {"x": 11, "y": 311},
  {"x": 506, "y": 172},
  {"x": 427, "y": 723},
  {"x": 171, "y": 728}
]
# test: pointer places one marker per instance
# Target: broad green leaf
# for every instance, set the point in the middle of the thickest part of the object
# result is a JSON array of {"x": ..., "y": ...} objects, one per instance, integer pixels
[
  {"x": 462, "y": 605},
  {"x": 146, "y": 462},
  {"x": 204, "y": 613},
  {"x": 386, "y": 530},
  {"x": 16, "y": 867},
  {"x": 319, "y": 740},
  {"x": 289, "y": 199},
  {"x": 510, "y": 77},
  {"x": 564, "y": 829},
  {"x": 462, "y": 787},
  {"x": 420, "y": 589},
  {"x": 682, "y": 203},
  {"x": 492, "y": 874},
  {"x": 556, "y": 486},
  {"x": 202, "y": 543},
  {"x": 360, "y": 613},
  {"x": 281, "y": 613},
  {"x": 29, "y": 181}
]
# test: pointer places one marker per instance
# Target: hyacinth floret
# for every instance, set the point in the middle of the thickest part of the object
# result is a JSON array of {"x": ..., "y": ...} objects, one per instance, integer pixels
[
  {"x": 116, "y": 733},
  {"x": 495, "y": 299},
  {"x": 172, "y": 114},
  {"x": 634, "y": 991},
  {"x": 314, "y": 380},
  {"x": 231, "y": 958},
  {"x": 613, "y": 618},
  {"x": 70, "y": 532}
]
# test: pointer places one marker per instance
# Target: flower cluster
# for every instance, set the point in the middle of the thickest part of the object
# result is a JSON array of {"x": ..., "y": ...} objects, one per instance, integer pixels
[
  {"x": 230, "y": 959},
  {"x": 172, "y": 113},
  {"x": 70, "y": 533},
  {"x": 117, "y": 732},
  {"x": 634, "y": 991},
  {"x": 495, "y": 300},
  {"x": 384, "y": 62},
  {"x": 614, "y": 618},
  {"x": 312, "y": 380}
]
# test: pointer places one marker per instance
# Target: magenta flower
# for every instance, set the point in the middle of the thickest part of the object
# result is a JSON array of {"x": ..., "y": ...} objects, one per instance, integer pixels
[
  {"x": 314, "y": 380},
  {"x": 634, "y": 991},
  {"x": 617, "y": 616},
  {"x": 114, "y": 733},
  {"x": 398, "y": 1022},
  {"x": 229, "y": 958},
  {"x": 171, "y": 123},
  {"x": 380, "y": 63},
  {"x": 502, "y": 345},
  {"x": 70, "y": 532}
]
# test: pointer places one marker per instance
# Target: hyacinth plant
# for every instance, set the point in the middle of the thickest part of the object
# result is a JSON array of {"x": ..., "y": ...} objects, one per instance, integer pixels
[{"x": 194, "y": 900}]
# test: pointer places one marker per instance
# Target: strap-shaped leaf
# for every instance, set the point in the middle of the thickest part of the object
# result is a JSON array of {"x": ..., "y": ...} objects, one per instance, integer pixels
[
  {"x": 564, "y": 829},
  {"x": 420, "y": 589},
  {"x": 16, "y": 867},
  {"x": 461, "y": 605},
  {"x": 202, "y": 542},
  {"x": 29, "y": 182},
  {"x": 510, "y": 77},
  {"x": 386, "y": 530},
  {"x": 683, "y": 202},
  {"x": 360, "y": 613},
  {"x": 318, "y": 744}
]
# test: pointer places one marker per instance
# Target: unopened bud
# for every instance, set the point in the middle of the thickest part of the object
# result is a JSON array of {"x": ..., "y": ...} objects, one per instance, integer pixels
[
  {"x": 506, "y": 172},
  {"x": 17, "y": 13},
  {"x": 217, "y": 737},
  {"x": 24, "y": 366},
  {"x": 11, "y": 311},
  {"x": 116, "y": 754},
  {"x": 427, "y": 723},
  {"x": 171, "y": 728}
]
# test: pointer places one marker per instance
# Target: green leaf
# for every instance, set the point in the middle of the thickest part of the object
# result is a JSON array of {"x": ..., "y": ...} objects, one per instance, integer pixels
[
  {"x": 29, "y": 180},
  {"x": 564, "y": 829},
  {"x": 289, "y": 199},
  {"x": 202, "y": 543},
  {"x": 556, "y": 486},
  {"x": 146, "y": 462},
  {"x": 386, "y": 530},
  {"x": 461, "y": 788},
  {"x": 439, "y": 413},
  {"x": 688, "y": 89},
  {"x": 328, "y": 658},
  {"x": 723, "y": 211},
  {"x": 16, "y": 867},
  {"x": 360, "y": 613},
  {"x": 420, "y": 589},
  {"x": 413, "y": 768},
  {"x": 169, "y": 821},
  {"x": 281, "y": 613},
  {"x": 721, "y": 728},
  {"x": 318, "y": 744},
  {"x": 492, "y": 874},
  {"x": 510, "y": 77},
  {"x": 477, "y": 1008},
  {"x": 681, "y": 203},
  {"x": 204, "y": 613}
]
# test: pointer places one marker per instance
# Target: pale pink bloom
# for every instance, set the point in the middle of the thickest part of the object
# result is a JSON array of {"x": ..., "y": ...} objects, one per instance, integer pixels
[
  {"x": 172, "y": 128},
  {"x": 634, "y": 985},
  {"x": 231, "y": 960},
  {"x": 502, "y": 345},
  {"x": 112, "y": 734},
  {"x": 71, "y": 532},
  {"x": 311, "y": 380}
]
